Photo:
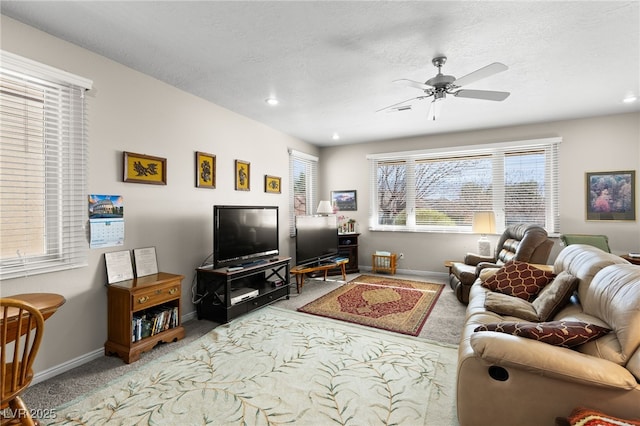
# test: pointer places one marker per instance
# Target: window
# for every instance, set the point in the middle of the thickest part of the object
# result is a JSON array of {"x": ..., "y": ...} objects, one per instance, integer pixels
[
  {"x": 303, "y": 186},
  {"x": 439, "y": 190},
  {"x": 43, "y": 164}
]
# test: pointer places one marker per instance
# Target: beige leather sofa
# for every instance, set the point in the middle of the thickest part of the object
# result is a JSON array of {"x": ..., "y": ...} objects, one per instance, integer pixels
[{"x": 510, "y": 380}]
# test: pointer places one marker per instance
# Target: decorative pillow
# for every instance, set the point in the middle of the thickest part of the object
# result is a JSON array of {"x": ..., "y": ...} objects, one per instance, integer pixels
[
  {"x": 555, "y": 296},
  {"x": 519, "y": 279},
  {"x": 487, "y": 272},
  {"x": 558, "y": 333},
  {"x": 504, "y": 304},
  {"x": 585, "y": 416}
]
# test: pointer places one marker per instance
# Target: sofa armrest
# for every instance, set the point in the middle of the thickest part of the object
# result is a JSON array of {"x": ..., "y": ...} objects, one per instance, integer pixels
[
  {"x": 473, "y": 259},
  {"x": 547, "y": 360}
]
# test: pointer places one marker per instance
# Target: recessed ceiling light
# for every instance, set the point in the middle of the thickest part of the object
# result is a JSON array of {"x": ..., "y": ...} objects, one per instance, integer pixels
[
  {"x": 335, "y": 136},
  {"x": 629, "y": 99},
  {"x": 272, "y": 101}
]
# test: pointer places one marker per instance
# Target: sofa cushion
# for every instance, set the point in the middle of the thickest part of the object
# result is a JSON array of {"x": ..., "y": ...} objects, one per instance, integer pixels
[
  {"x": 555, "y": 296},
  {"x": 559, "y": 333},
  {"x": 504, "y": 304},
  {"x": 519, "y": 279},
  {"x": 613, "y": 298}
]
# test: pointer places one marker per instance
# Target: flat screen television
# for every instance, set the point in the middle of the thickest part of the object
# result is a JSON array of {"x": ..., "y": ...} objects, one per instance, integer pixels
[
  {"x": 244, "y": 234},
  {"x": 316, "y": 238}
]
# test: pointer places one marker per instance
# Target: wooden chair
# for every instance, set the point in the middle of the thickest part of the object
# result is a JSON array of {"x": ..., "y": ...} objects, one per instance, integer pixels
[{"x": 21, "y": 330}]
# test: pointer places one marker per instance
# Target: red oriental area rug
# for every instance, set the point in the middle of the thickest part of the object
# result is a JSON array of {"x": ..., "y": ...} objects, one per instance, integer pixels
[{"x": 375, "y": 301}]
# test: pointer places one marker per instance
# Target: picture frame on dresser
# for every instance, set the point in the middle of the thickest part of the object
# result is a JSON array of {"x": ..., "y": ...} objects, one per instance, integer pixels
[{"x": 610, "y": 196}]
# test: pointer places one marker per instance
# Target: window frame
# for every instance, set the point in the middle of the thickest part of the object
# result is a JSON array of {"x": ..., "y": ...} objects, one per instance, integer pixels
[
  {"x": 497, "y": 151},
  {"x": 64, "y": 145},
  {"x": 310, "y": 163}
]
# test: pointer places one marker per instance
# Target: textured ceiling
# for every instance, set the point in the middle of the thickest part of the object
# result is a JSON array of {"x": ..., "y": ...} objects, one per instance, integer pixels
[{"x": 331, "y": 64}]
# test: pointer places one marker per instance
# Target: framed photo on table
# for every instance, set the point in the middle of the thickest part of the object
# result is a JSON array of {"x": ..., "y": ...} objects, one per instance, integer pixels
[
  {"x": 610, "y": 196},
  {"x": 205, "y": 170},
  {"x": 345, "y": 200},
  {"x": 243, "y": 175},
  {"x": 140, "y": 168}
]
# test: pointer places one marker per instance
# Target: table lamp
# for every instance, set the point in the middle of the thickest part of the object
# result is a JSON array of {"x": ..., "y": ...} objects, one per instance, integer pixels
[
  {"x": 484, "y": 223},
  {"x": 324, "y": 208}
]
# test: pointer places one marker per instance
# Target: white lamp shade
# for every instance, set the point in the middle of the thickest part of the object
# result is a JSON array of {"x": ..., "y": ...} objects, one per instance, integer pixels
[
  {"x": 484, "y": 222},
  {"x": 324, "y": 207}
]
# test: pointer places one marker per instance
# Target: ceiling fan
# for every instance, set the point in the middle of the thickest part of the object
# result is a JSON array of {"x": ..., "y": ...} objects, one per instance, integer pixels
[{"x": 439, "y": 86}]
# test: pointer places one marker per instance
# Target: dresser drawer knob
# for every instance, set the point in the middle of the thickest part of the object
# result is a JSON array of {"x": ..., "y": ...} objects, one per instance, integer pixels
[
  {"x": 173, "y": 291},
  {"x": 143, "y": 299}
]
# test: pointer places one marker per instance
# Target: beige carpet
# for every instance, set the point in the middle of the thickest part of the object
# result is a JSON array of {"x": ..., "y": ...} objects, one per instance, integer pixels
[
  {"x": 275, "y": 366},
  {"x": 383, "y": 302}
]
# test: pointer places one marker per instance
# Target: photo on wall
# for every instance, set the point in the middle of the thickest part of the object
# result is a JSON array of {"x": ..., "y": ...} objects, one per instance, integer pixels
[
  {"x": 611, "y": 195},
  {"x": 345, "y": 200}
]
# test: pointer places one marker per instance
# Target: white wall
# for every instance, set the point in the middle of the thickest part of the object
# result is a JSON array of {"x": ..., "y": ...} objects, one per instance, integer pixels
[
  {"x": 595, "y": 144},
  {"x": 132, "y": 112}
]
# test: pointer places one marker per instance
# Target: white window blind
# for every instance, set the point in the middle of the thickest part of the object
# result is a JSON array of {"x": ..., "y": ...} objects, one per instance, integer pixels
[
  {"x": 303, "y": 189},
  {"x": 439, "y": 190},
  {"x": 43, "y": 167}
]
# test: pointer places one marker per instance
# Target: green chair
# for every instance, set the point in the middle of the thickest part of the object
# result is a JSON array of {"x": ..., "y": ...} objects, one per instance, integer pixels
[{"x": 599, "y": 241}]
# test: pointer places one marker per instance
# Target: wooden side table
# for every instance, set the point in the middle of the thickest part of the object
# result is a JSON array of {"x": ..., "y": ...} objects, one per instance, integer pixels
[
  {"x": 300, "y": 271},
  {"x": 143, "y": 295},
  {"x": 634, "y": 260}
]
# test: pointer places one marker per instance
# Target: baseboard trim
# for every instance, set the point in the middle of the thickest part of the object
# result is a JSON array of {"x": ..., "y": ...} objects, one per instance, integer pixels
[
  {"x": 41, "y": 376},
  {"x": 66, "y": 366}
]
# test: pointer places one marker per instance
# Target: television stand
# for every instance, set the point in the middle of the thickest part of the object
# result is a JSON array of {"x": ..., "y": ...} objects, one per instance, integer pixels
[
  {"x": 300, "y": 270},
  {"x": 214, "y": 288}
]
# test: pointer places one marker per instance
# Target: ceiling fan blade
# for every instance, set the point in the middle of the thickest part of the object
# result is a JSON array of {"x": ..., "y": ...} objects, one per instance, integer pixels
[
  {"x": 488, "y": 95},
  {"x": 412, "y": 83},
  {"x": 399, "y": 106},
  {"x": 484, "y": 72}
]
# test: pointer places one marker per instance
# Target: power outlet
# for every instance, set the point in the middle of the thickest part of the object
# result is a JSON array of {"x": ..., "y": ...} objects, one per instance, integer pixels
[{"x": 401, "y": 256}]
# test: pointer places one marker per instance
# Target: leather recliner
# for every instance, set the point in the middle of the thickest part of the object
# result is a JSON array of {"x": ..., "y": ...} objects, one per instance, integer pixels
[{"x": 522, "y": 242}]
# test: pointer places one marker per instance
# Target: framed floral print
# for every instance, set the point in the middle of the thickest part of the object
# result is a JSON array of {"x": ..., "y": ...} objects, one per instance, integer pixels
[{"x": 611, "y": 195}]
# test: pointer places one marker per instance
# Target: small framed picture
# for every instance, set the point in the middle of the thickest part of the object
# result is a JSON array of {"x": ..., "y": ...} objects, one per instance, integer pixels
[
  {"x": 139, "y": 168},
  {"x": 345, "y": 200},
  {"x": 205, "y": 170},
  {"x": 243, "y": 175},
  {"x": 611, "y": 195},
  {"x": 272, "y": 184}
]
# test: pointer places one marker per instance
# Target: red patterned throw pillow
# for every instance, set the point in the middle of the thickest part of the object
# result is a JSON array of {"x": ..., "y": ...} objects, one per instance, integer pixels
[
  {"x": 558, "y": 333},
  {"x": 519, "y": 279},
  {"x": 587, "y": 417}
]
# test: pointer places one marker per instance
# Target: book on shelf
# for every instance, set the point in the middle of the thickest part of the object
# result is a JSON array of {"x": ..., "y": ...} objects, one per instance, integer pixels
[{"x": 153, "y": 321}]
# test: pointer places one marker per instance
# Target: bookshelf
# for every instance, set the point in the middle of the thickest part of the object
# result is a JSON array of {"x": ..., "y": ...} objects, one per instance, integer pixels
[{"x": 143, "y": 312}]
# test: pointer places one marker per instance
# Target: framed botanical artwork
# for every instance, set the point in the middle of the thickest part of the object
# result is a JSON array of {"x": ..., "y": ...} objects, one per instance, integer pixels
[
  {"x": 611, "y": 195},
  {"x": 272, "y": 184},
  {"x": 205, "y": 170},
  {"x": 139, "y": 168},
  {"x": 243, "y": 175},
  {"x": 345, "y": 200}
]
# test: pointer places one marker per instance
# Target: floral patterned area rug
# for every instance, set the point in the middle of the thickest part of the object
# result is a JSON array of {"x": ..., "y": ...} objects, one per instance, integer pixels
[
  {"x": 381, "y": 302},
  {"x": 275, "y": 366}
]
